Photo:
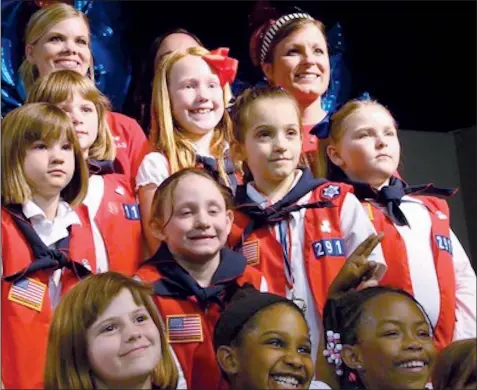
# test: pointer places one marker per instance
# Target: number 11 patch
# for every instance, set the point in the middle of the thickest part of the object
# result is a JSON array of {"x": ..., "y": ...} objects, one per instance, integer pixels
[
  {"x": 131, "y": 211},
  {"x": 328, "y": 247}
]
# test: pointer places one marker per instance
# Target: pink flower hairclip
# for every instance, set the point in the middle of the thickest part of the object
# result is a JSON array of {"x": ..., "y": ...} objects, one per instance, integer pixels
[{"x": 333, "y": 350}]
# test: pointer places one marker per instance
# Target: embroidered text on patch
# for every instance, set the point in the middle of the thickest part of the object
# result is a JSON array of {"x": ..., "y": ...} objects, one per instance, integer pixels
[
  {"x": 331, "y": 191},
  {"x": 184, "y": 328},
  {"x": 251, "y": 252},
  {"x": 28, "y": 292}
]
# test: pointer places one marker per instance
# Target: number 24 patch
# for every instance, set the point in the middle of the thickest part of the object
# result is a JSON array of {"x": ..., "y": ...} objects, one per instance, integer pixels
[{"x": 328, "y": 247}]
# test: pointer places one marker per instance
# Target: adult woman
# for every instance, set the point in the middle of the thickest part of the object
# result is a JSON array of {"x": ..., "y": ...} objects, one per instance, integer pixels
[
  {"x": 292, "y": 52},
  {"x": 58, "y": 37}
]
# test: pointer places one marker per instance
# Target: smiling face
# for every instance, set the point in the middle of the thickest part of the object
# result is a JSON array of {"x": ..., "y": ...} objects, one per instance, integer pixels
[
  {"x": 369, "y": 148},
  {"x": 124, "y": 344},
  {"x": 49, "y": 167},
  {"x": 84, "y": 115},
  {"x": 395, "y": 344},
  {"x": 301, "y": 64},
  {"x": 272, "y": 142},
  {"x": 197, "y": 221},
  {"x": 276, "y": 352},
  {"x": 197, "y": 99},
  {"x": 64, "y": 46}
]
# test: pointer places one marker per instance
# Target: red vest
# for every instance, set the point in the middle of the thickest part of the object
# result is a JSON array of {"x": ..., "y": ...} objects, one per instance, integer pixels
[
  {"x": 119, "y": 222},
  {"x": 398, "y": 274},
  {"x": 25, "y": 329},
  {"x": 196, "y": 354},
  {"x": 323, "y": 250},
  {"x": 131, "y": 144}
]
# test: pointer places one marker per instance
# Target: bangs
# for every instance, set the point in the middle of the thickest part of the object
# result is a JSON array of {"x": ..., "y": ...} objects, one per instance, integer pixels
[{"x": 50, "y": 129}]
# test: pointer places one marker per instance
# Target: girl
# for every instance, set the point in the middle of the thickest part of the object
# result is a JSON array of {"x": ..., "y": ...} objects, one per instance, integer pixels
[
  {"x": 296, "y": 229},
  {"x": 112, "y": 207},
  {"x": 106, "y": 334},
  {"x": 456, "y": 366},
  {"x": 174, "y": 39},
  {"x": 424, "y": 256},
  {"x": 194, "y": 276},
  {"x": 379, "y": 338},
  {"x": 58, "y": 37},
  {"x": 262, "y": 341},
  {"x": 189, "y": 123},
  {"x": 46, "y": 245},
  {"x": 292, "y": 52}
]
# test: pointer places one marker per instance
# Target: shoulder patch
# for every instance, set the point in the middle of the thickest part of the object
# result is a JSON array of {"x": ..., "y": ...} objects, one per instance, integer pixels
[
  {"x": 184, "y": 328},
  {"x": 331, "y": 191}
]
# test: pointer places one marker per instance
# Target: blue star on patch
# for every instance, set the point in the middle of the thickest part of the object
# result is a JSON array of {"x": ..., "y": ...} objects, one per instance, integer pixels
[{"x": 331, "y": 191}]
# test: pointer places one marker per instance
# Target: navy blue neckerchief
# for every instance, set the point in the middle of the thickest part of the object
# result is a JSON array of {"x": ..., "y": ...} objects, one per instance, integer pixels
[
  {"x": 178, "y": 283},
  {"x": 280, "y": 210},
  {"x": 210, "y": 165},
  {"x": 100, "y": 167},
  {"x": 45, "y": 258},
  {"x": 390, "y": 196}
]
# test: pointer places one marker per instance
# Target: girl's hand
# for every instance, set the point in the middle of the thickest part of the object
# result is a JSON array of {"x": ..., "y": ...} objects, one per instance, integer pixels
[{"x": 357, "y": 273}]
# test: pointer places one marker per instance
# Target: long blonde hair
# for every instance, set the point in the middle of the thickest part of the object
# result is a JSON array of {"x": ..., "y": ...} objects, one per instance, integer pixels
[
  {"x": 20, "y": 129},
  {"x": 67, "y": 363},
  {"x": 322, "y": 164},
  {"x": 39, "y": 24},
  {"x": 59, "y": 86},
  {"x": 166, "y": 136}
]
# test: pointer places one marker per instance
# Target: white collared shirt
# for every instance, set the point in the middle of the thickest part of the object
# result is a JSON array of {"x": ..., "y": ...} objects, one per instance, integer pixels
[
  {"x": 50, "y": 232},
  {"x": 355, "y": 226}
]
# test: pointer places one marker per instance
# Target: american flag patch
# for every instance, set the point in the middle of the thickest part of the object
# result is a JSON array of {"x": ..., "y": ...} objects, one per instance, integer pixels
[
  {"x": 28, "y": 292},
  {"x": 251, "y": 252},
  {"x": 184, "y": 328}
]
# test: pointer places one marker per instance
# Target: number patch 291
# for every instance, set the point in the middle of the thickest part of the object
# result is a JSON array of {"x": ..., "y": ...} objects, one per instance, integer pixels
[{"x": 328, "y": 247}]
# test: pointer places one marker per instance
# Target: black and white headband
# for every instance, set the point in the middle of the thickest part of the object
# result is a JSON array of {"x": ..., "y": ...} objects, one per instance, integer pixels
[{"x": 275, "y": 27}]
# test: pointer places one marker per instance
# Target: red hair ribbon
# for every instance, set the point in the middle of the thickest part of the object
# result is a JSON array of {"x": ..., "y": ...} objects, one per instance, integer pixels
[{"x": 225, "y": 66}]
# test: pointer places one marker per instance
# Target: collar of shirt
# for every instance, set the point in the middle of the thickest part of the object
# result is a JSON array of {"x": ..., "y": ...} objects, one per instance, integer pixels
[
  {"x": 51, "y": 232},
  {"x": 261, "y": 199}
]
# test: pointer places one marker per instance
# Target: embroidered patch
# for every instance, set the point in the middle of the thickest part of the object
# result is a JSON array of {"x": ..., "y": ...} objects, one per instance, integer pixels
[
  {"x": 444, "y": 243},
  {"x": 185, "y": 328},
  {"x": 28, "y": 292},
  {"x": 119, "y": 144},
  {"x": 251, "y": 251},
  {"x": 119, "y": 190},
  {"x": 113, "y": 208},
  {"x": 330, "y": 191},
  {"x": 325, "y": 226},
  {"x": 131, "y": 211},
  {"x": 328, "y": 247}
]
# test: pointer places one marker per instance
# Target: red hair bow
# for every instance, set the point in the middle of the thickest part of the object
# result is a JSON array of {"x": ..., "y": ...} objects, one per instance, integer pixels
[{"x": 225, "y": 66}]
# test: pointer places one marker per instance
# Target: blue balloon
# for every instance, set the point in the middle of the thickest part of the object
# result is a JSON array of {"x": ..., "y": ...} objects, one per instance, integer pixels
[{"x": 112, "y": 65}]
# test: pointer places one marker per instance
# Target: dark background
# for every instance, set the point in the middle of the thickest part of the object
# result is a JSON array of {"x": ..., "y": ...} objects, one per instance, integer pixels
[{"x": 417, "y": 57}]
